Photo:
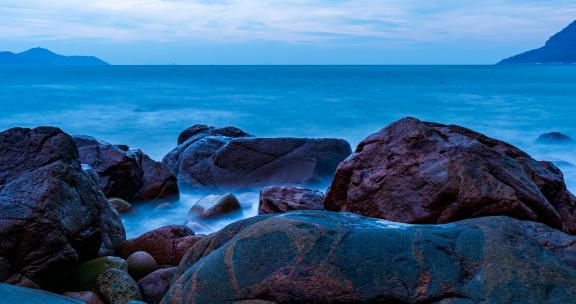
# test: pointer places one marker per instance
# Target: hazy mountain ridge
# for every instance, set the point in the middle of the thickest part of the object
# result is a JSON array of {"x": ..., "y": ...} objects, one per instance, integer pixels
[
  {"x": 40, "y": 56},
  {"x": 559, "y": 49}
]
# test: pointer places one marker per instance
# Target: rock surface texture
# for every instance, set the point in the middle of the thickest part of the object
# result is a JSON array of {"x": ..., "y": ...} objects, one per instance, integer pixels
[
  {"x": 155, "y": 285},
  {"x": 420, "y": 172},
  {"x": 215, "y": 205},
  {"x": 10, "y": 294},
  {"x": 326, "y": 257},
  {"x": 284, "y": 199},
  {"x": 52, "y": 214},
  {"x": 211, "y": 159},
  {"x": 126, "y": 173}
]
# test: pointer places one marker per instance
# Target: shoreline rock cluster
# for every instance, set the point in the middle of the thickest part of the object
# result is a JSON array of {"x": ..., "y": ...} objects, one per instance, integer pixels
[{"x": 419, "y": 213}]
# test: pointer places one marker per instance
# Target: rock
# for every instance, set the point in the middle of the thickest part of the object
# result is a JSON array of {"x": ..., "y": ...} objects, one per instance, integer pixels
[
  {"x": 197, "y": 129},
  {"x": 216, "y": 205},
  {"x": 11, "y": 294},
  {"x": 155, "y": 285},
  {"x": 326, "y": 257},
  {"x": 87, "y": 297},
  {"x": 52, "y": 215},
  {"x": 141, "y": 264},
  {"x": 419, "y": 172},
  {"x": 120, "y": 205},
  {"x": 554, "y": 138},
  {"x": 284, "y": 199},
  {"x": 167, "y": 244},
  {"x": 91, "y": 173},
  {"x": 117, "y": 287},
  {"x": 127, "y": 173},
  {"x": 213, "y": 162},
  {"x": 90, "y": 270}
]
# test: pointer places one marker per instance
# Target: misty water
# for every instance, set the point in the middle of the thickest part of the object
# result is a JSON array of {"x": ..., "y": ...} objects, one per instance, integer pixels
[{"x": 147, "y": 106}]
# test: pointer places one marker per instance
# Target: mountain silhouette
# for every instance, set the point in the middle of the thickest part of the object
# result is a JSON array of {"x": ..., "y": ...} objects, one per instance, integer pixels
[{"x": 40, "y": 56}]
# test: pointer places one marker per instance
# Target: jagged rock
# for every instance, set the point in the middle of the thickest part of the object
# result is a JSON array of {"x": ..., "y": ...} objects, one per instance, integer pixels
[
  {"x": 326, "y": 257},
  {"x": 52, "y": 215},
  {"x": 117, "y": 287},
  {"x": 421, "y": 172},
  {"x": 215, "y": 205},
  {"x": 284, "y": 199},
  {"x": 167, "y": 244},
  {"x": 208, "y": 160},
  {"x": 127, "y": 173}
]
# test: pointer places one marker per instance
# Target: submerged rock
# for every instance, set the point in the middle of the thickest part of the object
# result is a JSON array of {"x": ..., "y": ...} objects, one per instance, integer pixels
[
  {"x": 155, "y": 285},
  {"x": 420, "y": 172},
  {"x": 214, "y": 160},
  {"x": 216, "y": 205},
  {"x": 553, "y": 138},
  {"x": 52, "y": 215},
  {"x": 198, "y": 129},
  {"x": 10, "y": 294},
  {"x": 127, "y": 173},
  {"x": 167, "y": 244},
  {"x": 326, "y": 257},
  {"x": 117, "y": 287},
  {"x": 284, "y": 199}
]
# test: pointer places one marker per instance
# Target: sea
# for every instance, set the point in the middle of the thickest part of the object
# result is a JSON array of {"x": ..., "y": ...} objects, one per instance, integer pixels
[{"x": 146, "y": 107}]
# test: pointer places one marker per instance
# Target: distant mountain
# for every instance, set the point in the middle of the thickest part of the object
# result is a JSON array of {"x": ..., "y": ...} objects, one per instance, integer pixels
[
  {"x": 560, "y": 49},
  {"x": 40, "y": 56}
]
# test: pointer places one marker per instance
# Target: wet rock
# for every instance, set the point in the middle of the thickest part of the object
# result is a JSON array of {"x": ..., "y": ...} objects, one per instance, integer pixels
[
  {"x": 127, "y": 173},
  {"x": 120, "y": 205},
  {"x": 10, "y": 294},
  {"x": 554, "y": 138},
  {"x": 326, "y": 257},
  {"x": 198, "y": 129},
  {"x": 420, "y": 172},
  {"x": 155, "y": 285},
  {"x": 52, "y": 215},
  {"x": 210, "y": 161},
  {"x": 141, "y": 264},
  {"x": 284, "y": 199},
  {"x": 87, "y": 297},
  {"x": 91, "y": 173},
  {"x": 90, "y": 270},
  {"x": 167, "y": 244},
  {"x": 117, "y": 287},
  {"x": 216, "y": 205}
]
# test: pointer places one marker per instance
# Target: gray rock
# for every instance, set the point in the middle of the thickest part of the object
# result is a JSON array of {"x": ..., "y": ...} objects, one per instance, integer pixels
[
  {"x": 215, "y": 205},
  {"x": 117, "y": 287},
  {"x": 141, "y": 264}
]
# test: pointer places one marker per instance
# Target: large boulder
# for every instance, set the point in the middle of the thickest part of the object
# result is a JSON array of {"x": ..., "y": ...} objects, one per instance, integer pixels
[
  {"x": 127, "y": 173},
  {"x": 197, "y": 129},
  {"x": 52, "y": 214},
  {"x": 421, "y": 172},
  {"x": 167, "y": 245},
  {"x": 215, "y": 205},
  {"x": 283, "y": 199},
  {"x": 326, "y": 257},
  {"x": 10, "y": 294},
  {"x": 214, "y": 160}
]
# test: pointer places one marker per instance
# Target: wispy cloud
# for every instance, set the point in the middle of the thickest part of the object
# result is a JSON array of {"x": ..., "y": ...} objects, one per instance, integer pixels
[{"x": 297, "y": 21}]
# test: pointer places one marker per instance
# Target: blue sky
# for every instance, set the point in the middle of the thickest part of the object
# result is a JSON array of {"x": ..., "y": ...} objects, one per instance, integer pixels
[{"x": 284, "y": 32}]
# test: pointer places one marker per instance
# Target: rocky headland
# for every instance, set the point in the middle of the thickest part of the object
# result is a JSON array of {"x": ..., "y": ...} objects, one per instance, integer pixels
[{"x": 420, "y": 212}]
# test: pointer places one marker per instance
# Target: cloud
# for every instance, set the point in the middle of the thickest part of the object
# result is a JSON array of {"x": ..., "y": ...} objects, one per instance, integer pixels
[{"x": 297, "y": 21}]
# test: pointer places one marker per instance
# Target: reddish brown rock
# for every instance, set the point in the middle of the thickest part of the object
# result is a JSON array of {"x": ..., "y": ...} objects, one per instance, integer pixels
[
  {"x": 284, "y": 199},
  {"x": 52, "y": 214},
  {"x": 127, "y": 173},
  {"x": 220, "y": 161},
  {"x": 198, "y": 129},
  {"x": 327, "y": 257},
  {"x": 141, "y": 264},
  {"x": 419, "y": 172},
  {"x": 167, "y": 244},
  {"x": 215, "y": 205},
  {"x": 87, "y": 297},
  {"x": 155, "y": 285},
  {"x": 120, "y": 205}
]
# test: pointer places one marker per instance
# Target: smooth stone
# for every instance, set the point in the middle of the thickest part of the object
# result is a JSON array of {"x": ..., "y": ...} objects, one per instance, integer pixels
[
  {"x": 120, "y": 205},
  {"x": 89, "y": 271},
  {"x": 284, "y": 199},
  {"x": 10, "y": 294},
  {"x": 141, "y": 264},
  {"x": 155, "y": 285}
]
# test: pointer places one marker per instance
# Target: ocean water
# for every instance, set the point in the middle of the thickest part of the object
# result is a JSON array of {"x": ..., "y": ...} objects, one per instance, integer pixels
[{"x": 147, "y": 106}]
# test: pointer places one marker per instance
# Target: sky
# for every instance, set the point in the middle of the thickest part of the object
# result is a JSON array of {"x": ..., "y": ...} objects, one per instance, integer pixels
[{"x": 284, "y": 32}]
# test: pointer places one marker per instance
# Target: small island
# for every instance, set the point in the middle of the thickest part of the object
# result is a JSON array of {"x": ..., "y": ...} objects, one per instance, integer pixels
[
  {"x": 559, "y": 49},
  {"x": 41, "y": 56}
]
